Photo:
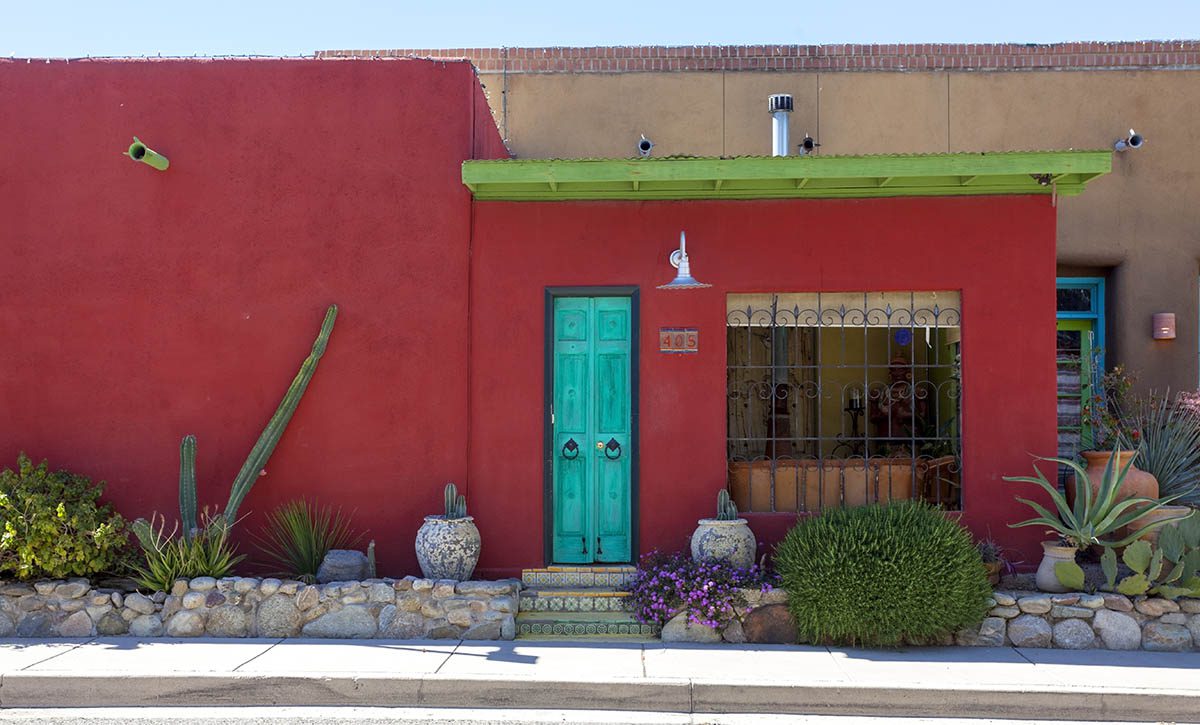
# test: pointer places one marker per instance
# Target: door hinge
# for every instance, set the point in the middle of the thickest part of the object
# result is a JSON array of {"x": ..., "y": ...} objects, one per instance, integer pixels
[{"x": 552, "y": 414}]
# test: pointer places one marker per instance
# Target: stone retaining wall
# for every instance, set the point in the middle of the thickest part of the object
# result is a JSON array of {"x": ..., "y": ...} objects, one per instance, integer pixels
[
  {"x": 1087, "y": 621},
  {"x": 764, "y": 620},
  {"x": 408, "y": 608},
  {"x": 1016, "y": 618}
]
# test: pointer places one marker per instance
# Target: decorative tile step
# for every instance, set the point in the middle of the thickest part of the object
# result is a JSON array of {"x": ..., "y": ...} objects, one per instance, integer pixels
[
  {"x": 568, "y": 599},
  {"x": 578, "y": 576},
  {"x": 582, "y": 624}
]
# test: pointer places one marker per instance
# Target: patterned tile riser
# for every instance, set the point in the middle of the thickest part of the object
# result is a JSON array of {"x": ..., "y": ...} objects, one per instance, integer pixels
[
  {"x": 578, "y": 629},
  {"x": 582, "y": 579},
  {"x": 574, "y": 604}
]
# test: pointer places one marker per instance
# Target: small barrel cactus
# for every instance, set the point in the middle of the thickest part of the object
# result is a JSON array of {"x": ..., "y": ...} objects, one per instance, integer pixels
[
  {"x": 726, "y": 509},
  {"x": 456, "y": 504}
]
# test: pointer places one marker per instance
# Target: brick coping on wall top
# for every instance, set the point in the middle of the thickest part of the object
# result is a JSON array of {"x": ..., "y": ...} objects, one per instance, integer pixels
[{"x": 1093, "y": 55}]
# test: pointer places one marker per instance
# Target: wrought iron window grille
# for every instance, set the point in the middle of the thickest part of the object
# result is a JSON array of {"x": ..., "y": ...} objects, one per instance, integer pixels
[{"x": 841, "y": 399}]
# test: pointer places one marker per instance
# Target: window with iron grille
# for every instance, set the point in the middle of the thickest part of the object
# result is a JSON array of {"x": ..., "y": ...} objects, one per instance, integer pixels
[{"x": 842, "y": 399}]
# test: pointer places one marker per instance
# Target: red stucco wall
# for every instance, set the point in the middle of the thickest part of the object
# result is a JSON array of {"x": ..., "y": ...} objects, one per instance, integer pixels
[
  {"x": 998, "y": 251},
  {"x": 138, "y": 306}
]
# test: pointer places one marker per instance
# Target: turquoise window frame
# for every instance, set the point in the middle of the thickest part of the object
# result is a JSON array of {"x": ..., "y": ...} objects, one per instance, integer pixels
[{"x": 1096, "y": 313}]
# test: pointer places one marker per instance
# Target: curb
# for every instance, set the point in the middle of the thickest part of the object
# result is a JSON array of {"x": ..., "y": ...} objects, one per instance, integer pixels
[{"x": 33, "y": 689}]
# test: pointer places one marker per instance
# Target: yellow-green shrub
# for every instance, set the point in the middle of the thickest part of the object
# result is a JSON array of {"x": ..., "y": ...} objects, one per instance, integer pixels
[{"x": 53, "y": 526}]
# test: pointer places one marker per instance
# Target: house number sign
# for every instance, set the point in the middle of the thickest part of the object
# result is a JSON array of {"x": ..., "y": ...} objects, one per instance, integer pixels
[{"x": 678, "y": 339}]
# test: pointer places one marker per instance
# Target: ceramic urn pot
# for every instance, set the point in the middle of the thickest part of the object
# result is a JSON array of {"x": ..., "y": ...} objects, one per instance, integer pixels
[
  {"x": 1052, "y": 553},
  {"x": 731, "y": 542},
  {"x": 448, "y": 548}
]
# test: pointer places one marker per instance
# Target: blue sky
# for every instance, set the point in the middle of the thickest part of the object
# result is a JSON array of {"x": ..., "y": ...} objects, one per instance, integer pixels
[{"x": 73, "y": 28}]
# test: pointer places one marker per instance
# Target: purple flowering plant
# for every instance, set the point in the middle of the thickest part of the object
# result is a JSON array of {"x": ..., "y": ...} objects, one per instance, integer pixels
[{"x": 707, "y": 591}]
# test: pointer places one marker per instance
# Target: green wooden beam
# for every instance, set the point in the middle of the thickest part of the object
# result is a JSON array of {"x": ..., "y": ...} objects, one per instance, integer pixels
[{"x": 817, "y": 177}]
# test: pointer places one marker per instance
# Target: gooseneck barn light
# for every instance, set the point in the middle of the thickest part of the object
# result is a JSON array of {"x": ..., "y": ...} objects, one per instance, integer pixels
[
  {"x": 679, "y": 260},
  {"x": 139, "y": 151}
]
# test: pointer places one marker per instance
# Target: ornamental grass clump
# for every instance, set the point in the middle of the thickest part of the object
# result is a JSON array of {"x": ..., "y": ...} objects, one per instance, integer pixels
[
  {"x": 882, "y": 575},
  {"x": 706, "y": 591},
  {"x": 299, "y": 534}
]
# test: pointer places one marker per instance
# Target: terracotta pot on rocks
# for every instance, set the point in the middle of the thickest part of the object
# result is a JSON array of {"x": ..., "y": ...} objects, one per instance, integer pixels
[
  {"x": 1166, "y": 512},
  {"x": 1137, "y": 483},
  {"x": 1052, "y": 553}
]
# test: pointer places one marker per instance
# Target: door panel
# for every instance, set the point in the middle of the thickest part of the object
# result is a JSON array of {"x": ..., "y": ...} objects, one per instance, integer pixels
[{"x": 591, "y": 429}]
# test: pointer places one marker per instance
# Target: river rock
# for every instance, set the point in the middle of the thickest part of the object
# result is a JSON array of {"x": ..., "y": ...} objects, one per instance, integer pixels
[
  {"x": 1029, "y": 630},
  {"x": 278, "y": 617},
  {"x": 111, "y": 625},
  {"x": 139, "y": 603},
  {"x": 186, "y": 623},
  {"x": 485, "y": 630},
  {"x": 228, "y": 621},
  {"x": 1117, "y": 602},
  {"x": 1073, "y": 634},
  {"x": 487, "y": 588},
  {"x": 341, "y": 565},
  {"x": 73, "y": 589},
  {"x": 1155, "y": 606},
  {"x": 78, "y": 624},
  {"x": 7, "y": 628},
  {"x": 193, "y": 600},
  {"x": 1070, "y": 612},
  {"x": 308, "y": 598},
  {"x": 37, "y": 624},
  {"x": 679, "y": 630},
  {"x": 396, "y": 624},
  {"x": 202, "y": 583},
  {"x": 733, "y": 632},
  {"x": 352, "y": 622},
  {"x": 1160, "y": 637},
  {"x": 1035, "y": 604},
  {"x": 771, "y": 624},
  {"x": 146, "y": 625},
  {"x": 1117, "y": 630}
]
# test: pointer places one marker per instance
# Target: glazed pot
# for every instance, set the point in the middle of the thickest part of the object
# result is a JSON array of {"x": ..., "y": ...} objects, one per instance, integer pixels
[
  {"x": 731, "y": 542},
  {"x": 448, "y": 548},
  {"x": 1137, "y": 483},
  {"x": 1164, "y": 512},
  {"x": 1052, "y": 553}
]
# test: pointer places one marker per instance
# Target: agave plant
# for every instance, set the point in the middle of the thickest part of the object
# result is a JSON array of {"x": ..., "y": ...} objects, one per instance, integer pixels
[{"x": 1097, "y": 517}]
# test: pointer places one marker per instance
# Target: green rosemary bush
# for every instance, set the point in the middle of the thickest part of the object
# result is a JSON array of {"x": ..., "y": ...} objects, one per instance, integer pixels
[
  {"x": 299, "y": 534},
  {"x": 882, "y": 575},
  {"x": 52, "y": 524}
]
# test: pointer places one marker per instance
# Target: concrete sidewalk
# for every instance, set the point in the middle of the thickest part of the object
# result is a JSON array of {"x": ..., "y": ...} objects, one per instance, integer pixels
[{"x": 653, "y": 677}]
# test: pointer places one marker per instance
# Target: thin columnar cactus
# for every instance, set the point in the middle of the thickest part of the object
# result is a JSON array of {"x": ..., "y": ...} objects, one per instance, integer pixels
[
  {"x": 726, "y": 509},
  {"x": 371, "y": 559},
  {"x": 456, "y": 505},
  {"x": 274, "y": 431},
  {"x": 187, "y": 485}
]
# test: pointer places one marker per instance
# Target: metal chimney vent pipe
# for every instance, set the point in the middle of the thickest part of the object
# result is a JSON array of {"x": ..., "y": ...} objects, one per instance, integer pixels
[{"x": 779, "y": 106}]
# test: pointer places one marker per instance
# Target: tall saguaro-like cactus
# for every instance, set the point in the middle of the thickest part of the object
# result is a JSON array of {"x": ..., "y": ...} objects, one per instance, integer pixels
[
  {"x": 187, "y": 485},
  {"x": 262, "y": 449}
]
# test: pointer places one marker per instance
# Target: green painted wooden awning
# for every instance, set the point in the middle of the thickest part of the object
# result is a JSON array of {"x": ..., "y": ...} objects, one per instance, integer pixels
[{"x": 787, "y": 177}]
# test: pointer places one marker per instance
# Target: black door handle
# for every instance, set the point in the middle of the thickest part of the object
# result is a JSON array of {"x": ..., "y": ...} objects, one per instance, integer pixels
[
  {"x": 611, "y": 447},
  {"x": 570, "y": 450}
]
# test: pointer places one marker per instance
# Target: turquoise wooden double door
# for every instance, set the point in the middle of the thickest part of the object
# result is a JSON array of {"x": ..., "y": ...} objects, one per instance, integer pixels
[{"x": 591, "y": 446}]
